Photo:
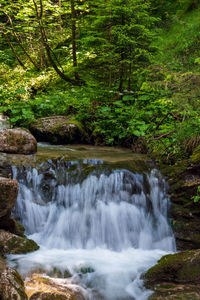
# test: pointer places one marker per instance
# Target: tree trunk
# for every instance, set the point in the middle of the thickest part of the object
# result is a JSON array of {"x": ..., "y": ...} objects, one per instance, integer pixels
[
  {"x": 121, "y": 73},
  {"x": 47, "y": 47},
  {"x": 13, "y": 51},
  {"x": 73, "y": 14},
  {"x": 20, "y": 43}
]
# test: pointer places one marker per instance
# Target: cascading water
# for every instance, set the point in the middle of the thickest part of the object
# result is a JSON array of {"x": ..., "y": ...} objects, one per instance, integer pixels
[{"x": 103, "y": 226}]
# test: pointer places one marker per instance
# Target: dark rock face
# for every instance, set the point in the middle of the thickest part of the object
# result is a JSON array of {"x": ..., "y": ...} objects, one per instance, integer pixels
[
  {"x": 8, "y": 196},
  {"x": 13, "y": 244},
  {"x": 17, "y": 141},
  {"x": 12, "y": 239},
  {"x": 5, "y": 167},
  {"x": 58, "y": 130},
  {"x": 176, "y": 276},
  {"x": 184, "y": 179},
  {"x": 11, "y": 283}
]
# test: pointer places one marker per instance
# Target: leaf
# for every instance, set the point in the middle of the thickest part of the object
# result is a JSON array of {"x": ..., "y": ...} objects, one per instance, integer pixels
[
  {"x": 196, "y": 199},
  {"x": 105, "y": 109}
]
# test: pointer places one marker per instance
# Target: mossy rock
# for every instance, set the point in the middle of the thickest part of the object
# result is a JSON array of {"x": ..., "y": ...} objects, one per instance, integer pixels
[
  {"x": 14, "y": 244},
  {"x": 11, "y": 225},
  {"x": 11, "y": 283},
  {"x": 58, "y": 130},
  {"x": 182, "y": 267},
  {"x": 175, "y": 277},
  {"x": 195, "y": 157}
]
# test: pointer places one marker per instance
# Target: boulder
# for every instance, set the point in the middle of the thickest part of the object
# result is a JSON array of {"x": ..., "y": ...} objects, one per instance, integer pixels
[
  {"x": 58, "y": 130},
  {"x": 176, "y": 276},
  {"x": 13, "y": 244},
  {"x": 8, "y": 196},
  {"x": 17, "y": 141},
  {"x": 11, "y": 283}
]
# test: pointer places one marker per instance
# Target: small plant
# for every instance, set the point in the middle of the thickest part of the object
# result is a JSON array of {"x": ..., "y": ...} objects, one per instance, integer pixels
[{"x": 197, "y": 197}]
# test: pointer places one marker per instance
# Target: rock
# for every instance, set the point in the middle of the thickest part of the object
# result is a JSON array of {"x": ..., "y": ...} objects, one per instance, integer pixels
[
  {"x": 8, "y": 195},
  {"x": 13, "y": 244},
  {"x": 182, "y": 267},
  {"x": 184, "y": 178},
  {"x": 42, "y": 287},
  {"x": 51, "y": 296},
  {"x": 11, "y": 225},
  {"x": 170, "y": 291},
  {"x": 5, "y": 167},
  {"x": 58, "y": 130},
  {"x": 176, "y": 276},
  {"x": 17, "y": 141},
  {"x": 11, "y": 284}
]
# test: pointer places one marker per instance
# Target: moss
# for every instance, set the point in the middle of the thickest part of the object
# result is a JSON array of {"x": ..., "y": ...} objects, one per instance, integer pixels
[
  {"x": 21, "y": 246},
  {"x": 19, "y": 229},
  {"x": 195, "y": 157},
  {"x": 181, "y": 267},
  {"x": 13, "y": 244}
]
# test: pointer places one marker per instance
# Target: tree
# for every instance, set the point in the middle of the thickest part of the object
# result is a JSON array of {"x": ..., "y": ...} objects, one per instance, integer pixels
[
  {"x": 30, "y": 24},
  {"x": 120, "y": 37}
]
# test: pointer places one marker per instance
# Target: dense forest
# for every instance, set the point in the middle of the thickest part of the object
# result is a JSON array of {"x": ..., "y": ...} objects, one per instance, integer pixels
[{"x": 127, "y": 70}]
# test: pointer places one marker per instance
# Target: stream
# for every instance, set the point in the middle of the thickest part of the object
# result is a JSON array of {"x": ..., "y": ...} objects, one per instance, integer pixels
[{"x": 100, "y": 216}]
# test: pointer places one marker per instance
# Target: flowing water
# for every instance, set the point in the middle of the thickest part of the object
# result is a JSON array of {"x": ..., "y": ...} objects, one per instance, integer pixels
[{"x": 97, "y": 224}]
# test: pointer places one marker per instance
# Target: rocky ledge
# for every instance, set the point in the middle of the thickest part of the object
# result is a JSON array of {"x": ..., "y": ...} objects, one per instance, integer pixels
[{"x": 58, "y": 130}]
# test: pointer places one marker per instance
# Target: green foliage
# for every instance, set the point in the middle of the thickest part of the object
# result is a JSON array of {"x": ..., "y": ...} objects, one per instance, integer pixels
[
  {"x": 131, "y": 93},
  {"x": 197, "y": 197},
  {"x": 119, "y": 36}
]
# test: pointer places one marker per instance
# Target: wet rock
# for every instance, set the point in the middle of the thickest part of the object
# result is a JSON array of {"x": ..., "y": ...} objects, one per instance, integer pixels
[
  {"x": 182, "y": 267},
  {"x": 42, "y": 287},
  {"x": 11, "y": 284},
  {"x": 13, "y": 244},
  {"x": 176, "y": 276},
  {"x": 5, "y": 166},
  {"x": 184, "y": 178},
  {"x": 17, "y": 141},
  {"x": 170, "y": 291},
  {"x": 8, "y": 196},
  {"x": 51, "y": 296},
  {"x": 58, "y": 130},
  {"x": 11, "y": 225}
]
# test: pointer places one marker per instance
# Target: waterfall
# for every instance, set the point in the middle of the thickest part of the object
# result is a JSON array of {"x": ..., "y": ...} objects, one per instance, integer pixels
[{"x": 86, "y": 215}]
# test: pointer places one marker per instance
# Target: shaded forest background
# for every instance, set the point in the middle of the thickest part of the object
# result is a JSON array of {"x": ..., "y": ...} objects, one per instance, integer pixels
[{"x": 127, "y": 70}]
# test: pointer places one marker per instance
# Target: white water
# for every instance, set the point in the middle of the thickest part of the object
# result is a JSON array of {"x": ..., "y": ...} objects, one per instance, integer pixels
[{"x": 105, "y": 229}]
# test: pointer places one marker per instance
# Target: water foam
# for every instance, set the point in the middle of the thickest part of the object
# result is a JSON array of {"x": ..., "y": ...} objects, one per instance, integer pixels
[{"x": 105, "y": 228}]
